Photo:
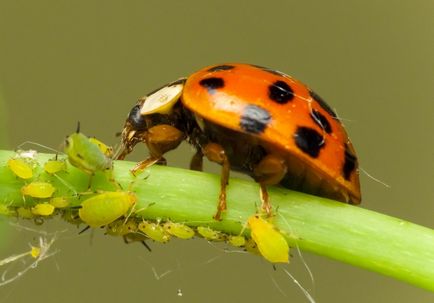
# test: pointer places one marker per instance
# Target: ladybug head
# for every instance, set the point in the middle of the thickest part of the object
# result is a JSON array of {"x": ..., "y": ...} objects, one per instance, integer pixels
[{"x": 149, "y": 111}]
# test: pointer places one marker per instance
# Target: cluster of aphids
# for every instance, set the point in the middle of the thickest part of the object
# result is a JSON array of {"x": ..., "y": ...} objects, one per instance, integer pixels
[{"x": 115, "y": 210}]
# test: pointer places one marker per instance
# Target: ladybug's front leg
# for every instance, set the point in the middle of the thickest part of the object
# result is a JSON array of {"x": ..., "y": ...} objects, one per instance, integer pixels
[
  {"x": 269, "y": 171},
  {"x": 215, "y": 153},
  {"x": 159, "y": 139}
]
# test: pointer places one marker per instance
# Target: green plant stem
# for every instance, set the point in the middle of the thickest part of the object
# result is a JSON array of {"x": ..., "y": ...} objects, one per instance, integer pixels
[{"x": 354, "y": 235}]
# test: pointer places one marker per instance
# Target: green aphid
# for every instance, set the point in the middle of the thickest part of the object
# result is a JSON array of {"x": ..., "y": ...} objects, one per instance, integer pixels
[
  {"x": 85, "y": 154},
  {"x": 237, "y": 241},
  {"x": 121, "y": 228},
  {"x": 38, "y": 189},
  {"x": 210, "y": 234},
  {"x": 21, "y": 168},
  {"x": 54, "y": 166},
  {"x": 179, "y": 230},
  {"x": 42, "y": 209},
  {"x": 154, "y": 231},
  {"x": 105, "y": 208},
  {"x": 24, "y": 213},
  {"x": 59, "y": 202},
  {"x": 270, "y": 241}
]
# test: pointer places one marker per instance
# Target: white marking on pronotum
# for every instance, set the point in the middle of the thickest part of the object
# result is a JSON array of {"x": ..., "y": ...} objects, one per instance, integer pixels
[{"x": 162, "y": 100}]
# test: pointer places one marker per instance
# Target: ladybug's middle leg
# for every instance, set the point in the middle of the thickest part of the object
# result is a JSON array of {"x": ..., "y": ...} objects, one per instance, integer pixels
[
  {"x": 215, "y": 153},
  {"x": 269, "y": 171},
  {"x": 196, "y": 162},
  {"x": 159, "y": 139}
]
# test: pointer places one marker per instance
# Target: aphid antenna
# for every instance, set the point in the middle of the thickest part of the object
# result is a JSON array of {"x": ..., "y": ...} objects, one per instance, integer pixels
[
  {"x": 130, "y": 212},
  {"x": 67, "y": 185},
  {"x": 39, "y": 145}
]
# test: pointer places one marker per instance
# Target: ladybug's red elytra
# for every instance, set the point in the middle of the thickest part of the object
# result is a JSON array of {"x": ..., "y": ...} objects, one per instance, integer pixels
[{"x": 251, "y": 119}]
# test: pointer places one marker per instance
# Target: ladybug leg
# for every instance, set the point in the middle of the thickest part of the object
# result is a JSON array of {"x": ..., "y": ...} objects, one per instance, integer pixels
[
  {"x": 142, "y": 165},
  {"x": 269, "y": 171},
  {"x": 159, "y": 139},
  {"x": 215, "y": 153},
  {"x": 196, "y": 162}
]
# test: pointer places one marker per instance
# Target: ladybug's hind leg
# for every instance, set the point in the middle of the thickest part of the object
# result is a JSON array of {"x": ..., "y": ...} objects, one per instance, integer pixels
[
  {"x": 269, "y": 171},
  {"x": 215, "y": 153}
]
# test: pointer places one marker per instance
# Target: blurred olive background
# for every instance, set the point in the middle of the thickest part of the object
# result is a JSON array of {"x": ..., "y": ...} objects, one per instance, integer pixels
[{"x": 88, "y": 61}]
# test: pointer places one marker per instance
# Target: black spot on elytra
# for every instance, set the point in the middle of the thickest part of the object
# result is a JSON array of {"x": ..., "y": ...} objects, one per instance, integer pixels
[
  {"x": 321, "y": 121},
  {"x": 219, "y": 68},
  {"x": 280, "y": 92},
  {"x": 254, "y": 119},
  {"x": 271, "y": 71},
  {"x": 136, "y": 120},
  {"x": 211, "y": 84},
  {"x": 323, "y": 104},
  {"x": 309, "y": 141},
  {"x": 350, "y": 163}
]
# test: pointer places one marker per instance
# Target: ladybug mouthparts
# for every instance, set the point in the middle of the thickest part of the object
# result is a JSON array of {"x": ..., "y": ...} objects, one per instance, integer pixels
[{"x": 130, "y": 137}]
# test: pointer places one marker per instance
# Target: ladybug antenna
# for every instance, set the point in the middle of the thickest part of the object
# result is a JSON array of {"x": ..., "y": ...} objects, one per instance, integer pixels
[{"x": 78, "y": 127}]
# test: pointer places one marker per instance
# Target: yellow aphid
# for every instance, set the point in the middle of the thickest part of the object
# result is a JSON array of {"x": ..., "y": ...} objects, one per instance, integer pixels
[
  {"x": 269, "y": 240},
  {"x": 237, "y": 241},
  {"x": 105, "y": 149},
  {"x": 103, "y": 209},
  {"x": 21, "y": 168},
  {"x": 210, "y": 234},
  {"x": 54, "y": 166},
  {"x": 5, "y": 210},
  {"x": 154, "y": 231},
  {"x": 43, "y": 209},
  {"x": 251, "y": 247},
  {"x": 179, "y": 230},
  {"x": 35, "y": 252},
  {"x": 24, "y": 213},
  {"x": 38, "y": 190},
  {"x": 59, "y": 202}
]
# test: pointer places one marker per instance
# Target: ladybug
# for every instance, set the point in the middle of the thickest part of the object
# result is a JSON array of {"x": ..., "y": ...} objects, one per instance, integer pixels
[{"x": 251, "y": 119}]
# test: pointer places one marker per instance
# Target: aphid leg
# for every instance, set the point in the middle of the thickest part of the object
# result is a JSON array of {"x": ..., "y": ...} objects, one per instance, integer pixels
[
  {"x": 109, "y": 175},
  {"x": 128, "y": 241},
  {"x": 83, "y": 230},
  {"x": 196, "y": 162},
  {"x": 89, "y": 184},
  {"x": 146, "y": 246},
  {"x": 269, "y": 171},
  {"x": 215, "y": 153}
]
